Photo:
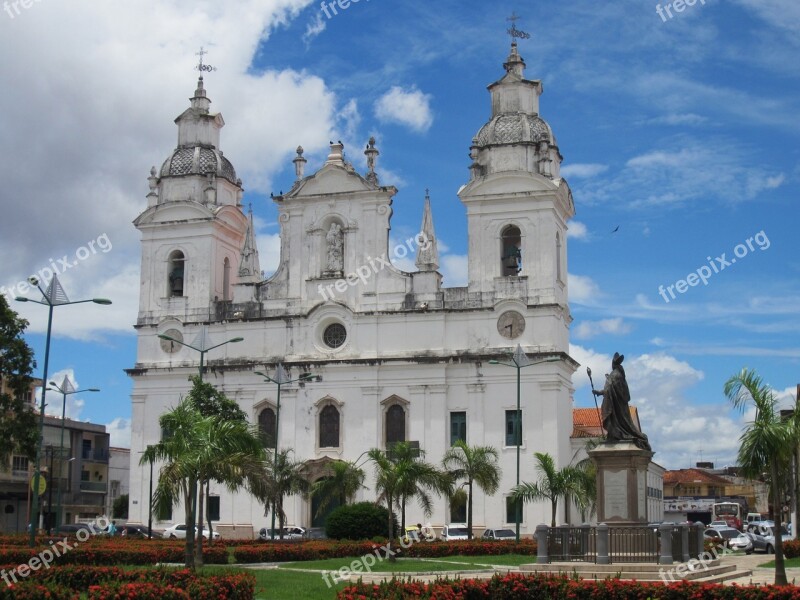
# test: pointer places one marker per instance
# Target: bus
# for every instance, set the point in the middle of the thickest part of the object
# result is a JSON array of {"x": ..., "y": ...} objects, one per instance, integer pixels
[{"x": 730, "y": 512}]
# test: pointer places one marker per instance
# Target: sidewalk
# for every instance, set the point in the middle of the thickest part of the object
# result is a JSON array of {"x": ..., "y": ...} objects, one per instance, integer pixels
[{"x": 760, "y": 576}]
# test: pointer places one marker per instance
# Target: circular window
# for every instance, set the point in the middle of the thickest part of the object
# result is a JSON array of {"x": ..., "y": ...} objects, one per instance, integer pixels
[{"x": 334, "y": 335}]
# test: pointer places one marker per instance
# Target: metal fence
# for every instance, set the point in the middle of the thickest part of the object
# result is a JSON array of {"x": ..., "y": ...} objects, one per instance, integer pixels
[
  {"x": 567, "y": 544},
  {"x": 663, "y": 543}
]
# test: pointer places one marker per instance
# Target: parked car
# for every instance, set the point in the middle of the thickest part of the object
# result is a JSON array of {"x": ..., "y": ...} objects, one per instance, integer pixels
[
  {"x": 718, "y": 524},
  {"x": 74, "y": 528},
  {"x": 770, "y": 539},
  {"x": 454, "y": 531},
  {"x": 722, "y": 535},
  {"x": 413, "y": 532},
  {"x": 178, "y": 531},
  {"x": 499, "y": 535},
  {"x": 136, "y": 532},
  {"x": 289, "y": 533},
  {"x": 316, "y": 533},
  {"x": 741, "y": 542}
]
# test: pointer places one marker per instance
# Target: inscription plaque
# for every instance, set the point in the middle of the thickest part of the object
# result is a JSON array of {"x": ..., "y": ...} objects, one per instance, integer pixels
[{"x": 615, "y": 487}]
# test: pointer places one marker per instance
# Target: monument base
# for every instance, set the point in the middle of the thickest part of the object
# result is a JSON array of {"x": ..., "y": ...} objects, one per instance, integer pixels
[{"x": 621, "y": 483}]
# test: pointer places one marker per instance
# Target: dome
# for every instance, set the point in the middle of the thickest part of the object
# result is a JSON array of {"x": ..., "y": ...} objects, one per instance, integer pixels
[
  {"x": 515, "y": 129},
  {"x": 198, "y": 161}
]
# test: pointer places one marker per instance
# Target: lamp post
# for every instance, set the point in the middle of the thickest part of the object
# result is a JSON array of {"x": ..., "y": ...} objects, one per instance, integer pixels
[
  {"x": 281, "y": 378},
  {"x": 66, "y": 389},
  {"x": 52, "y": 297},
  {"x": 202, "y": 345},
  {"x": 520, "y": 360}
]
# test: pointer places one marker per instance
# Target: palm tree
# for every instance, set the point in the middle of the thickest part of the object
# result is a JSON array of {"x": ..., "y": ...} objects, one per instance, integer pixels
[
  {"x": 387, "y": 486},
  {"x": 553, "y": 484},
  {"x": 477, "y": 465},
  {"x": 285, "y": 477},
  {"x": 178, "y": 477},
  {"x": 417, "y": 479},
  {"x": 342, "y": 484},
  {"x": 765, "y": 445}
]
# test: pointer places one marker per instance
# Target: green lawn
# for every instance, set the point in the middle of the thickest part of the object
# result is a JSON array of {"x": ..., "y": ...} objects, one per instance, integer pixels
[
  {"x": 413, "y": 565},
  {"x": 789, "y": 563},
  {"x": 279, "y": 585}
]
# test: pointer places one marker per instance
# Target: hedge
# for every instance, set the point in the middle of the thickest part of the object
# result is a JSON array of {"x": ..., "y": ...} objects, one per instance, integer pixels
[
  {"x": 514, "y": 586},
  {"x": 318, "y": 550}
]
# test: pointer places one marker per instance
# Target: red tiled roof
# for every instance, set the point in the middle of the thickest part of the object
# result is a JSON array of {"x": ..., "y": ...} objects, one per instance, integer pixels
[
  {"x": 586, "y": 422},
  {"x": 685, "y": 476}
]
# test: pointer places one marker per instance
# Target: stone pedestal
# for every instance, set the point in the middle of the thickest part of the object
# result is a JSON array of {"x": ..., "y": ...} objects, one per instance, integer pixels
[{"x": 621, "y": 483}]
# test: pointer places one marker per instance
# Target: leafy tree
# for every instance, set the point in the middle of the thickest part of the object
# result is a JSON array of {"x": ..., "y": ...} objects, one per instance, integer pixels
[
  {"x": 553, "y": 484},
  {"x": 476, "y": 465},
  {"x": 119, "y": 510},
  {"x": 19, "y": 430},
  {"x": 766, "y": 444},
  {"x": 342, "y": 483},
  {"x": 285, "y": 477},
  {"x": 360, "y": 521}
]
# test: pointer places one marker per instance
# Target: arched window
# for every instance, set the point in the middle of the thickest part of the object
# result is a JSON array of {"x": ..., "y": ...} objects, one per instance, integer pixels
[
  {"x": 175, "y": 274},
  {"x": 558, "y": 257},
  {"x": 266, "y": 427},
  {"x": 329, "y": 427},
  {"x": 395, "y": 424},
  {"x": 511, "y": 258},
  {"x": 226, "y": 280}
]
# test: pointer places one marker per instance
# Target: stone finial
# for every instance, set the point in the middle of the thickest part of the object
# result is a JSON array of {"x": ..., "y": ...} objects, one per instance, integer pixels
[
  {"x": 299, "y": 164},
  {"x": 336, "y": 156},
  {"x": 249, "y": 267},
  {"x": 372, "y": 154}
]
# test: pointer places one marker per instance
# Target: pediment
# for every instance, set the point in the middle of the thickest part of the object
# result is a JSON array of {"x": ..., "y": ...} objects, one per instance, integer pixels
[
  {"x": 330, "y": 179},
  {"x": 499, "y": 184}
]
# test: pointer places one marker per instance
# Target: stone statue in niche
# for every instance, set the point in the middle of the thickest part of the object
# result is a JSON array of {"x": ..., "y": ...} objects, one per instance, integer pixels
[{"x": 335, "y": 243}]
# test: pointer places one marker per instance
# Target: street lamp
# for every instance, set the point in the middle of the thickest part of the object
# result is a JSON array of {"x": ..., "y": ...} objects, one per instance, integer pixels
[
  {"x": 202, "y": 346},
  {"x": 281, "y": 378},
  {"x": 52, "y": 297},
  {"x": 520, "y": 360},
  {"x": 66, "y": 389}
]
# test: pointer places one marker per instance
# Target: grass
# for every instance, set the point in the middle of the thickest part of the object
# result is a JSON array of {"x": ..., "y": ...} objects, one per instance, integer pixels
[
  {"x": 273, "y": 584},
  {"x": 414, "y": 565},
  {"x": 789, "y": 563}
]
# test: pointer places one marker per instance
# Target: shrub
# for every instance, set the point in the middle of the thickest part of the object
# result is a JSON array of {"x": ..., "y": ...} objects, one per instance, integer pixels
[
  {"x": 360, "y": 521},
  {"x": 514, "y": 586}
]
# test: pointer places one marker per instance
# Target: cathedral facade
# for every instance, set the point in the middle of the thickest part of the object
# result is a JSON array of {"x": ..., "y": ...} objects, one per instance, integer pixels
[{"x": 398, "y": 357}]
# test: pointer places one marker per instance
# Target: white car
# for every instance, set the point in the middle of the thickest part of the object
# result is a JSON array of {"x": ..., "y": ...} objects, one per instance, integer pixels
[
  {"x": 289, "y": 533},
  {"x": 454, "y": 531},
  {"x": 178, "y": 531}
]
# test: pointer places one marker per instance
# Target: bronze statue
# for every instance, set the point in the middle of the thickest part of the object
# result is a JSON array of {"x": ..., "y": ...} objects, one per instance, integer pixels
[{"x": 615, "y": 413}]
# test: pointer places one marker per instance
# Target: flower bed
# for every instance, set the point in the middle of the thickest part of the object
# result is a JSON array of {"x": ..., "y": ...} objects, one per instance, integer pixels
[
  {"x": 105, "y": 551},
  {"x": 518, "y": 587},
  {"x": 104, "y": 583},
  {"x": 318, "y": 550}
]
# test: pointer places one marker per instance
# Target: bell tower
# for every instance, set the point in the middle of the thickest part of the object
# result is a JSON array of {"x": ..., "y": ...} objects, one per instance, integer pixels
[
  {"x": 517, "y": 203},
  {"x": 193, "y": 230}
]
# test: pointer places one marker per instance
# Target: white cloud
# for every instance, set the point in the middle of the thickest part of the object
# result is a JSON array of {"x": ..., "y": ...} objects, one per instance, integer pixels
[
  {"x": 55, "y": 400},
  {"x": 313, "y": 29},
  {"x": 407, "y": 107},
  {"x": 678, "y": 119},
  {"x": 577, "y": 231},
  {"x": 583, "y": 171},
  {"x": 583, "y": 290},
  {"x": 269, "y": 252},
  {"x": 120, "y": 432},
  {"x": 589, "y": 329},
  {"x": 454, "y": 270}
]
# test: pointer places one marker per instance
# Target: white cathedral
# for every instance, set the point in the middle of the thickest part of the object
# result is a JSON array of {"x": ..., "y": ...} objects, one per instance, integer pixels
[{"x": 401, "y": 358}]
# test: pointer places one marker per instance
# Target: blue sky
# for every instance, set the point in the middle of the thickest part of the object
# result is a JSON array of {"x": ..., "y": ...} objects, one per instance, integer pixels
[{"x": 682, "y": 133}]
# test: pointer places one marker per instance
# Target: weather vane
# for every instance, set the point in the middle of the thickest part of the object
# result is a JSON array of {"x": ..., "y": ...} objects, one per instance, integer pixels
[
  {"x": 201, "y": 67},
  {"x": 514, "y": 32}
]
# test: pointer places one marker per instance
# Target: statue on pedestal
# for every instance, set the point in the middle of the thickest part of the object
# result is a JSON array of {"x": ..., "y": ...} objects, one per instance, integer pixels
[
  {"x": 335, "y": 243},
  {"x": 615, "y": 413}
]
